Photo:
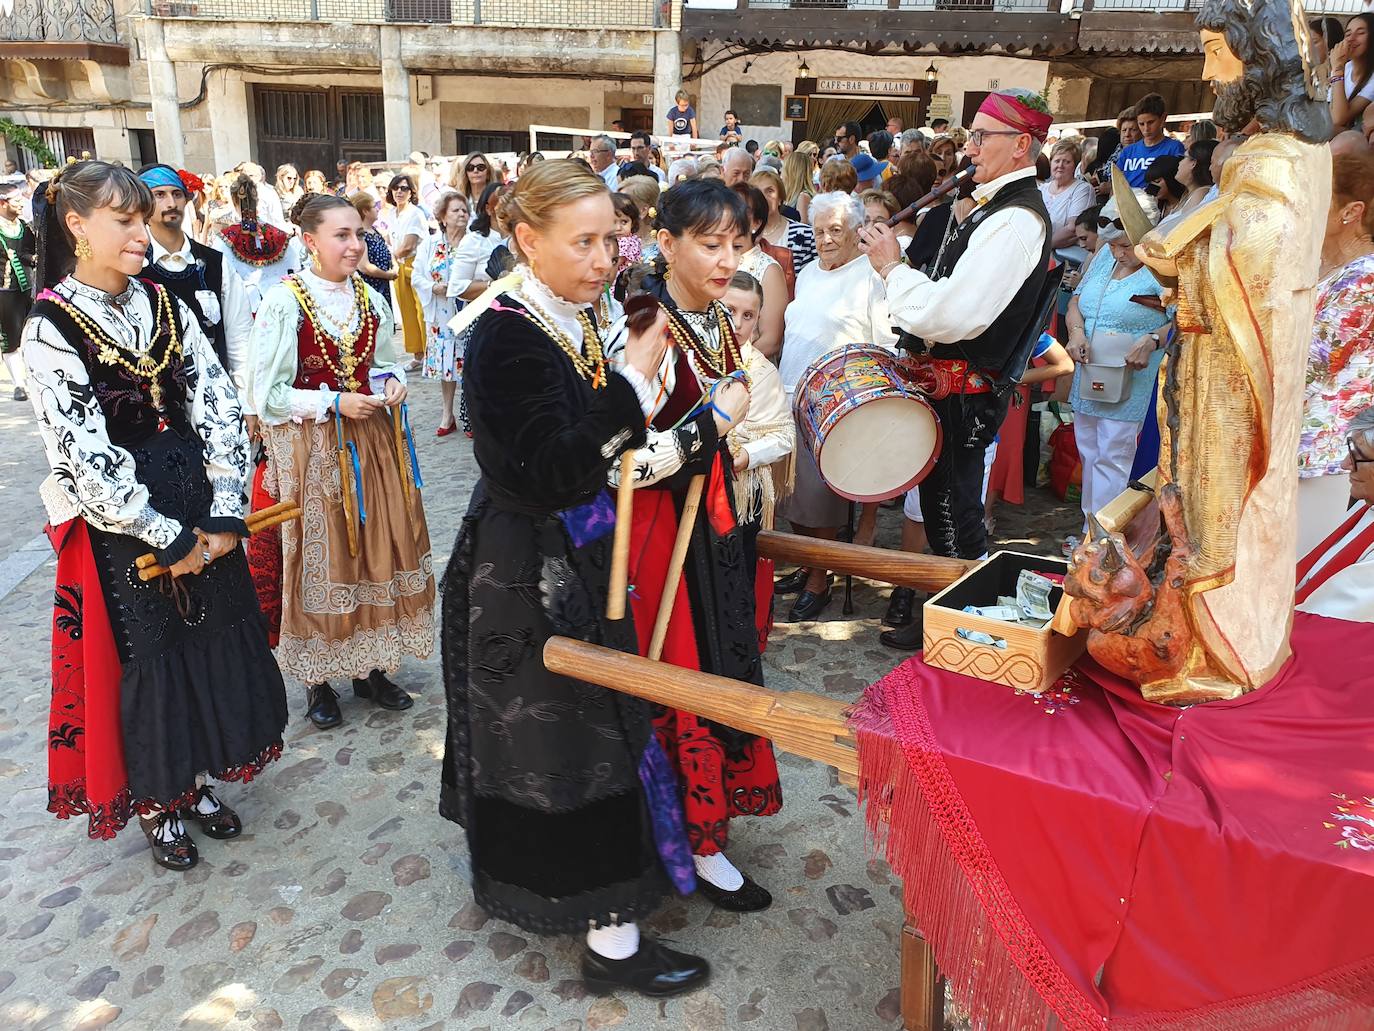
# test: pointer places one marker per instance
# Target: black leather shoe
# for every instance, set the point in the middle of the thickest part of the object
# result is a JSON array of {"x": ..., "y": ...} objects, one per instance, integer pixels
[
  {"x": 322, "y": 706},
  {"x": 178, "y": 854},
  {"x": 382, "y": 691},
  {"x": 909, "y": 638},
  {"x": 747, "y": 898},
  {"x": 809, "y": 605},
  {"x": 792, "y": 582},
  {"x": 20, "y": 394},
  {"x": 899, "y": 607},
  {"x": 654, "y": 970},
  {"x": 222, "y": 824}
]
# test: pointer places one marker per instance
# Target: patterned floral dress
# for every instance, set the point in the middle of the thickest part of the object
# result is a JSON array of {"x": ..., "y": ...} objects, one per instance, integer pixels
[
  {"x": 1340, "y": 366},
  {"x": 433, "y": 264}
]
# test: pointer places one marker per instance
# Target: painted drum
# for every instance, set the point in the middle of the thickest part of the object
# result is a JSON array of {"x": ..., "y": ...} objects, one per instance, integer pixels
[{"x": 872, "y": 434}]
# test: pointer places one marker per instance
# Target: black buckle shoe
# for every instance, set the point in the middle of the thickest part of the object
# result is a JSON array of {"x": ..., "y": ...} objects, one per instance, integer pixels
[
  {"x": 322, "y": 706},
  {"x": 792, "y": 582},
  {"x": 655, "y": 970},
  {"x": 178, "y": 853},
  {"x": 382, "y": 692},
  {"x": 747, "y": 898},
  {"x": 909, "y": 638},
  {"x": 899, "y": 607},
  {"x": 809, "y": 605},
  {"x": 222, "y": 824}
]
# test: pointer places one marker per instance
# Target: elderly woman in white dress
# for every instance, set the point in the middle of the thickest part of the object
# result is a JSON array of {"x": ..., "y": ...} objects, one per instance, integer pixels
[
  {"x": 840, "y": 300},
  {"x": 430, "y": 276}
]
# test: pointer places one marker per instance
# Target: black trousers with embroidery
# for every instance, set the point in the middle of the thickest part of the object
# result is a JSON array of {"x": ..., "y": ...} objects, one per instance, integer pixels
[{"x": 952, "y": 494}]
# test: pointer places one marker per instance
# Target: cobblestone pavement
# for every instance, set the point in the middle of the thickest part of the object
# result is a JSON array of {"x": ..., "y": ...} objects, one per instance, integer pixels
[{"x": 346, "y": 905}]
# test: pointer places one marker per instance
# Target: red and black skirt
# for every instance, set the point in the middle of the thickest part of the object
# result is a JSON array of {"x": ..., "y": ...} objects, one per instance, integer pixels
[{"x": 153, "y": 687}]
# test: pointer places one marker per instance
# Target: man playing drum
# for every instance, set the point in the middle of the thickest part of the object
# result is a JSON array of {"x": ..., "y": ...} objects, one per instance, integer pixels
[{"x": 970, "y": 314}]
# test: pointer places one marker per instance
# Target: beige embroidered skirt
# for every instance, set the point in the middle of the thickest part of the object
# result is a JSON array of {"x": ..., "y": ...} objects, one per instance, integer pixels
[{"x": 345, "y": 615}]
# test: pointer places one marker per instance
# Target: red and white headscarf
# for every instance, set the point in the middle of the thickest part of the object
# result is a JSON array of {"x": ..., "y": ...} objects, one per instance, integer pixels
[{"x": 1011, "y": 111}]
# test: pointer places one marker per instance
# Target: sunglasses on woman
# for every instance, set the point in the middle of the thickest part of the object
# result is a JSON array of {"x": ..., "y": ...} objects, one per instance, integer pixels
[
  {"x": 1103, "y": 223},
  {"x": 477, "y": 168},
  {"x": 400, "y": 188}
]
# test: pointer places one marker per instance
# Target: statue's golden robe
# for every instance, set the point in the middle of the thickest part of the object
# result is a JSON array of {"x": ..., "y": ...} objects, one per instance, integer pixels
[{"x": 1230, "y": 406}]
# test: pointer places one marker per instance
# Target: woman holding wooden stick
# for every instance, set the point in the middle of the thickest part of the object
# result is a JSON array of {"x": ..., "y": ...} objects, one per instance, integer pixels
[
  {"x": 694, "y": 398},
  {"x": 328, "y": 385},
  {"x": 569, "y": 805},
  {"x": 154, "y": 683}
]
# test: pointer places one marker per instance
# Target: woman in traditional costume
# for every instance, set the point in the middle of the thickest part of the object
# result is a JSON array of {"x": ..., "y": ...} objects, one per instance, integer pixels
[
  {"x": 568, "y": 802},
  {"x": 433, "y": 263},
  {"x": 259, "y": 252},
  {"x": 328, "y": 386},
  {"x": 154, "y": 683},
  {"x": 698, "y": 395}
]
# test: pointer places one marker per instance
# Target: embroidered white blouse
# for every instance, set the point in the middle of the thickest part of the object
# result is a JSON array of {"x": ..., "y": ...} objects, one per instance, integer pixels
[
  {"x": 276, "y": 343},
  {"x": 91, "y": 476}
]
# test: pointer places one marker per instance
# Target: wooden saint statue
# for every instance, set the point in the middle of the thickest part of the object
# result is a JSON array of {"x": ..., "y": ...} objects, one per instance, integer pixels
[{"x": 1230, "y": 400}]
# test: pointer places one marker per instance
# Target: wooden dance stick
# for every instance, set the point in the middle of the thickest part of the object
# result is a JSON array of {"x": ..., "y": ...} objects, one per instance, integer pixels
[
  {"x": 148, "y": 569},
  {"x": 922, "y": 572},
  {"x": 620, "y": 544},
  {"x": 799, "y": 722},
  {"x": 675, "y": 563}
]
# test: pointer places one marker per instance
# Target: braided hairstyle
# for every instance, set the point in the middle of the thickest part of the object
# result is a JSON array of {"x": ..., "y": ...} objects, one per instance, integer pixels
[{"x": 244, "y": 193}]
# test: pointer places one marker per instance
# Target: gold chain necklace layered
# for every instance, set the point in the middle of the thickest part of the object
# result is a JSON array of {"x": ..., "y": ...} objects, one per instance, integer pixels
[
  {"x": 708, "y": 360},
  {"x": 112, "y": 352},
  {"x": 345, "y": 370},
  {"x": 592, "y": 365}
]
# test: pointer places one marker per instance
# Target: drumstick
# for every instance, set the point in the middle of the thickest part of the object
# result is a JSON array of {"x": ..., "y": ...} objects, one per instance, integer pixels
[
  {"x": 264, "y": 518},
  {"x": 254, "y": 522},
  {"x": 620, "y": 544},
  {"x": 675, "y": 563}
]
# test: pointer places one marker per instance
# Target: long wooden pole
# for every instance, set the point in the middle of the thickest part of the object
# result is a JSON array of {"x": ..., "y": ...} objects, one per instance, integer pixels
[
  {"x": 675, "y": 563},
  {"x": 620, "y": 543},
  {"x": 799, "y": 722},
  {"x": 902, "y": 568}
]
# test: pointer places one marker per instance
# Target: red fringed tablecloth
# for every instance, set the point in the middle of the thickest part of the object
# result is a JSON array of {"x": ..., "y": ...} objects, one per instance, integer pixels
[{"x": 1117, "y": 863}]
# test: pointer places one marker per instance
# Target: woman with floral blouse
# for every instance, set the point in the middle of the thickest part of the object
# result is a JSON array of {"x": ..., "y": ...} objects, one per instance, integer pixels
[{"x": 1340, "y": 366}]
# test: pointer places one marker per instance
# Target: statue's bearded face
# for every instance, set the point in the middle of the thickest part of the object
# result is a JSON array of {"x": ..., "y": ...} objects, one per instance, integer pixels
[{"x": 1238, "y": 99}]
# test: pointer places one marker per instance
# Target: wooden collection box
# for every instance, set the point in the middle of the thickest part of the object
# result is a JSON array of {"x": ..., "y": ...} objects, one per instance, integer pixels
[{"x": 1032, "y": 660}]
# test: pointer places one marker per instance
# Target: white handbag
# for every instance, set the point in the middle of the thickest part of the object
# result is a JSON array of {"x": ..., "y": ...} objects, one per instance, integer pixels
[{"x": 1105, "y": 377}]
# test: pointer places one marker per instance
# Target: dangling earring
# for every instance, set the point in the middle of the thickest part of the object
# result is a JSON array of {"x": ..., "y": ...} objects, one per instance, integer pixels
[
  {"x": 83, "y": 249},
  {"x": 315, "y": 261},
  {"x": 668, "y": 273}
]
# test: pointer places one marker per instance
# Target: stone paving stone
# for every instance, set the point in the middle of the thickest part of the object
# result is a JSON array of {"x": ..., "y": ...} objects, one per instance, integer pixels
[{"x": 345, "y": 904}]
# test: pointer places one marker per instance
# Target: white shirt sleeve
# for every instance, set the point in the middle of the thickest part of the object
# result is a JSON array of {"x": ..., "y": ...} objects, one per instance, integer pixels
[
  {"x": 213, "y": 403},
  {"x": 93, "y": 472},
  {"x": 768, "y": 425},
  {"x": 274, "y": 348},
  {"x": 465, "y": 263},
  {"x": 238, "y": 323},
  {"x": 1001, "y": 255}
]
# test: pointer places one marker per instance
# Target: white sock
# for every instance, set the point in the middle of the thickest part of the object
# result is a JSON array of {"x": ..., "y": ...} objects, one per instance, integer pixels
[
  {"x": 14, "y": 364},
  {"x": 169, "y": 828},
  {"x": 618, "y": 941},
  {"x": 719, "y": 871},
  {"x": 207, "y": 804}
]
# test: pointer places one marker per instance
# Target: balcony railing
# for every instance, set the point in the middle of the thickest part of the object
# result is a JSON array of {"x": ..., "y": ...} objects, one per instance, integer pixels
[
  {"x": 575, "y": 14},
  {"x": 60, "y": 21}
]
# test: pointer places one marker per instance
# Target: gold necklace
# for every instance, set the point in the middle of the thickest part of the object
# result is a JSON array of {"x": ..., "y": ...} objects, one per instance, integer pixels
[
  {"x": 706, "y": 358},
  {"x": 111, "y": 352},
  {"x": 592, "y": 365},
  {"x": 345, "y": 371}
]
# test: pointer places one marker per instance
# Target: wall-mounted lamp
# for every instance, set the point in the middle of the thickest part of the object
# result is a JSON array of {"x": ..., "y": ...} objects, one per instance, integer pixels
[
  {"x": 803, "y": 69},
  {"x": 930, "y": 72},
  {"x": 747, "y": 66}
]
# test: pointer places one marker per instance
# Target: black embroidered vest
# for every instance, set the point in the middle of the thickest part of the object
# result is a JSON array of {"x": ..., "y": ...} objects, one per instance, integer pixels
[
  {"x": 206, "y": 274},
  {"x": 993, "y": 347},
  {"x": 125, "y": 399}
]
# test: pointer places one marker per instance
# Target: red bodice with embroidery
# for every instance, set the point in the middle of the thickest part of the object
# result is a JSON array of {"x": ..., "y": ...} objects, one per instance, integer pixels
[{"x": 313, "y": 371}]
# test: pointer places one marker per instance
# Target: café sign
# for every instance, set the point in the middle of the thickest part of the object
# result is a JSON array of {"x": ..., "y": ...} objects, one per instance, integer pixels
[{"x": 868, "y": 87}]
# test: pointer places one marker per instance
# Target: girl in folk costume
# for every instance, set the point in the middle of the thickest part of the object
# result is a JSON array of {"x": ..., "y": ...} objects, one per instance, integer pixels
[
  {"x": 551, "y": 777},
  {"x": 433, "y": 263},
  {"x": 260, "y": 253},
  {"x": 761, "y": 446},
  {"x": 328, "y": 387},
  {"x": 703, "y": 229},
  {"x": 18, "y": 255},
  {"x": 154, "y": 683}
]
